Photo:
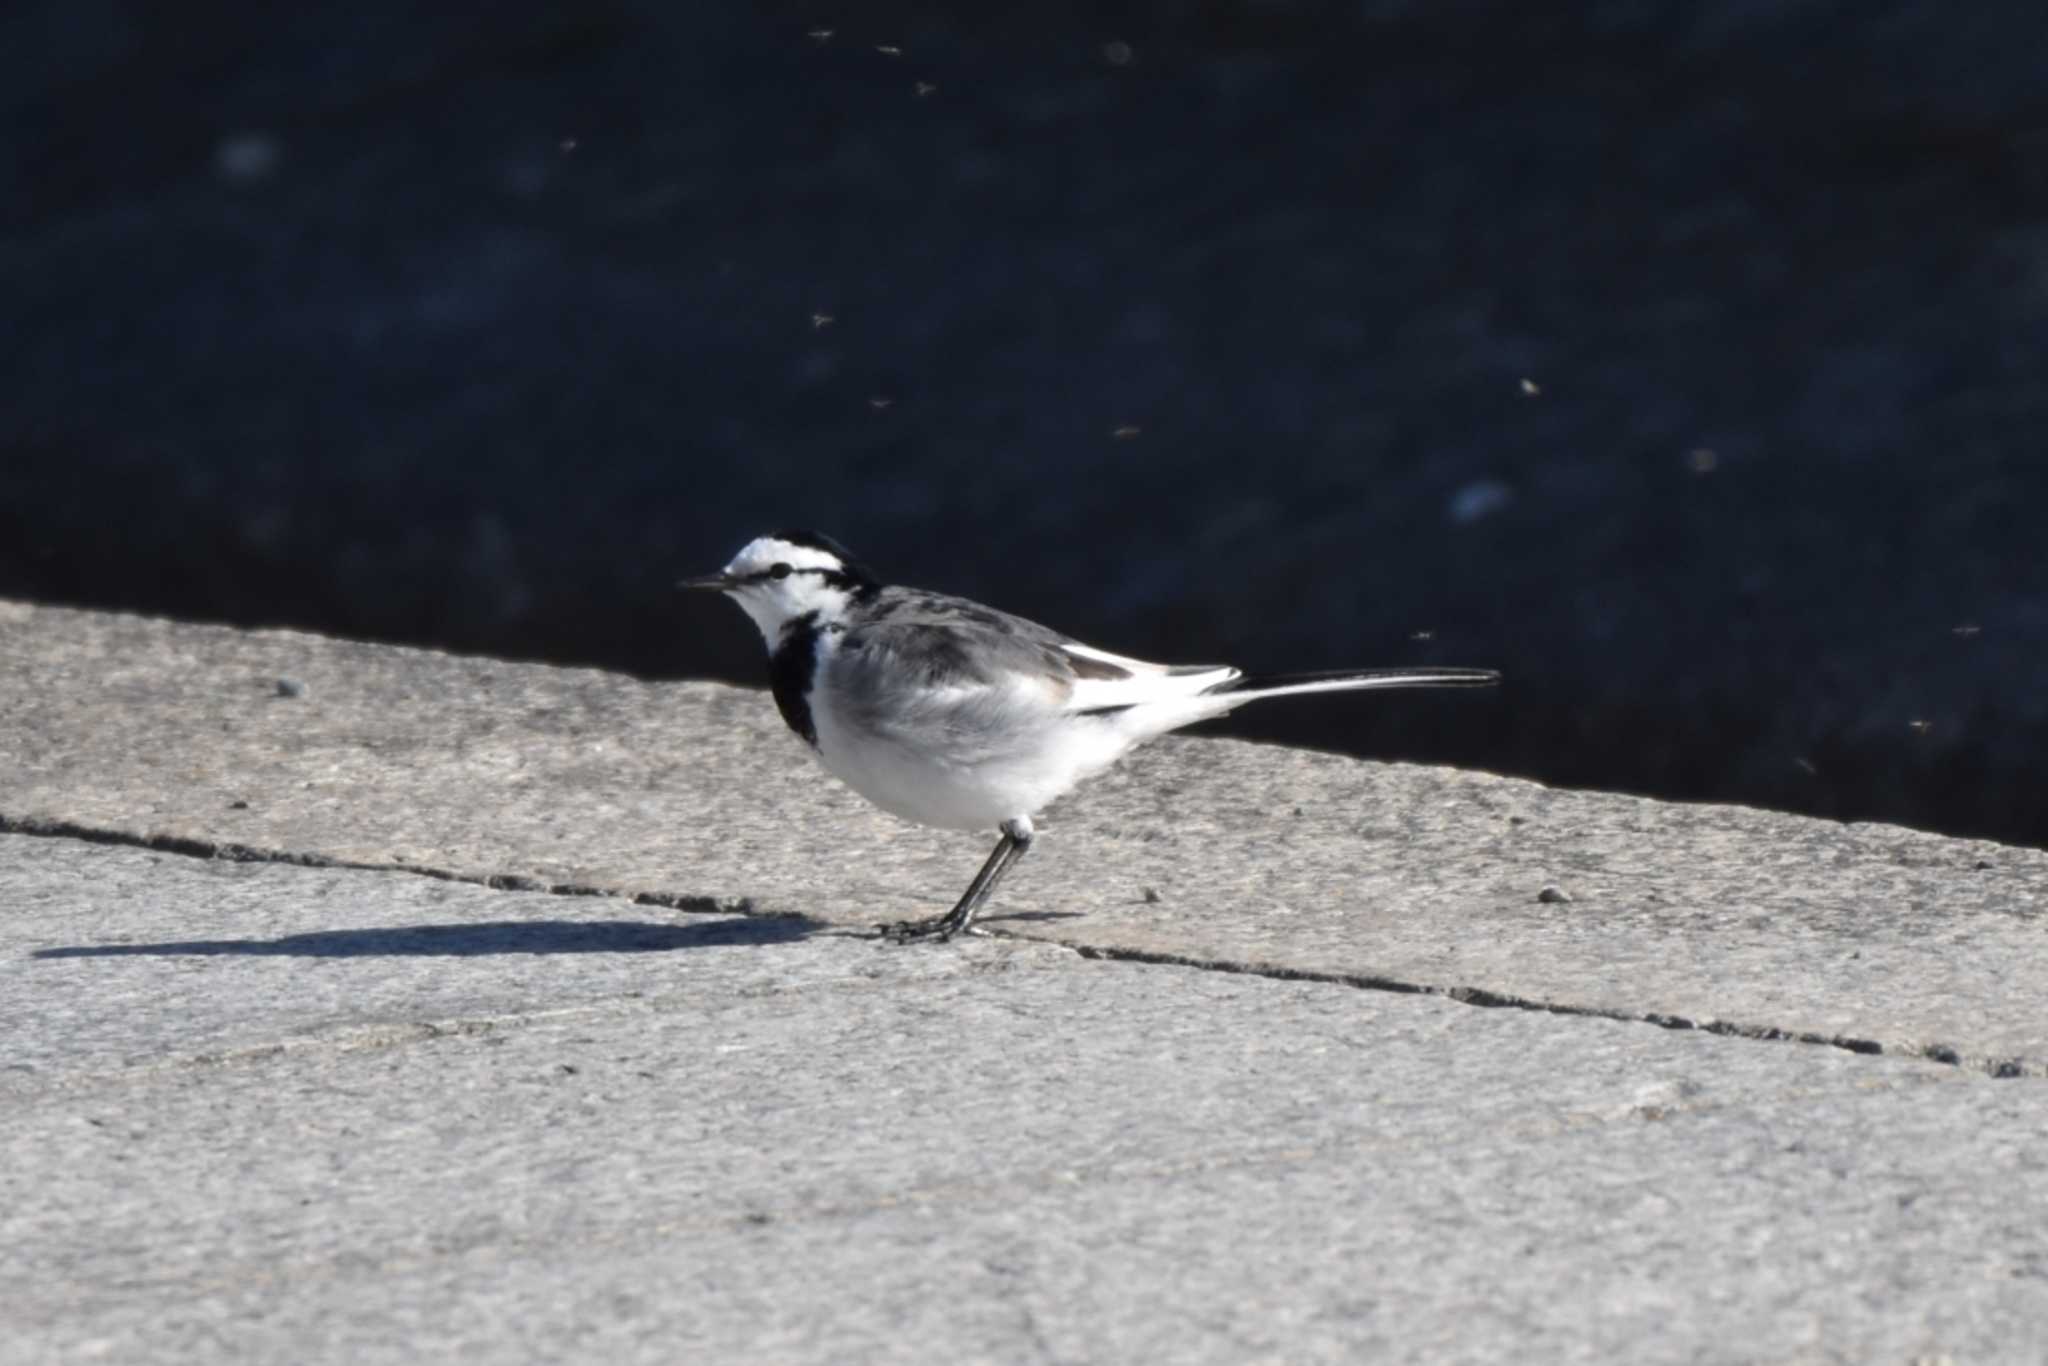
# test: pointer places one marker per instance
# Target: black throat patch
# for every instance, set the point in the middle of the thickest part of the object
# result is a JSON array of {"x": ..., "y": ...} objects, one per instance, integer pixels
[{"x": 789, "y": 675}]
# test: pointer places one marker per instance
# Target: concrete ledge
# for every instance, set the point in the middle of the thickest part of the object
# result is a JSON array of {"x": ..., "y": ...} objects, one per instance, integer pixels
[
  {"x": 293, "y": 1099},
  {"x": 693, "y": 796}
]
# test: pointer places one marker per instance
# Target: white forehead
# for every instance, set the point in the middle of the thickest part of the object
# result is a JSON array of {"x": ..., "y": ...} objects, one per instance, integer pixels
[{"x": 764, "y": 551}]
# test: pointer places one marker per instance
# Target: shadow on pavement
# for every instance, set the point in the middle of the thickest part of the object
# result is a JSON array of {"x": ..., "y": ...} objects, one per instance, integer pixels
[{"x": 464, "y": 941}]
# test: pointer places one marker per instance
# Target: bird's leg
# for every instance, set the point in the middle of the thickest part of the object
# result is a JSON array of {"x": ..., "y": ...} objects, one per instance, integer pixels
[{"x": 1016, "y": 839}]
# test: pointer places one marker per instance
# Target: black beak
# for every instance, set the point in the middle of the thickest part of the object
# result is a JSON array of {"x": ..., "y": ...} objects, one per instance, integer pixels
[{"x": 716, "y": 583}]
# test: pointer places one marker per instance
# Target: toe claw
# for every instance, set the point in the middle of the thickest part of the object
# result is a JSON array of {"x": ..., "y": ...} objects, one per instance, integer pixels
[{"x": 938, "y": 929}]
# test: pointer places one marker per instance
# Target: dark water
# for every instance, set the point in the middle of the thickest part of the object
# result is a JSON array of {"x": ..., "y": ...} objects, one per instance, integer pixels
[{"x": 1684, "y": 362}]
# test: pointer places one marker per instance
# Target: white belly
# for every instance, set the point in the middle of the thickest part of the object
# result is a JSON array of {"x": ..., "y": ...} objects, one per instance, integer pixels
[{"x": 992, "y": 764}]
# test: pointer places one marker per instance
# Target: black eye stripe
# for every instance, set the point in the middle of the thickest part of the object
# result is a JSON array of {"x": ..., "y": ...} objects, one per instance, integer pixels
[{"x": 783, "y": 571}]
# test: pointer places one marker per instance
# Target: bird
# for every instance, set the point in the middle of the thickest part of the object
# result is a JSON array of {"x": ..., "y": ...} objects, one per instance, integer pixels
[{"x": 947, "y": 713}]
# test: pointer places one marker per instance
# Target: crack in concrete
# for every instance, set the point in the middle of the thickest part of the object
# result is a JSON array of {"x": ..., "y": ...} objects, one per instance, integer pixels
[
  {"x": 1997, "y": 1067},
  {"x": 188, "y": 847},
  {"x": 2002, "y": 1068}
]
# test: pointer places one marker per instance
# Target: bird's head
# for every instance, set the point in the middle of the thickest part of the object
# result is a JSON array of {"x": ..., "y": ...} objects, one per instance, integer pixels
[{"x": 785, "y": 577}]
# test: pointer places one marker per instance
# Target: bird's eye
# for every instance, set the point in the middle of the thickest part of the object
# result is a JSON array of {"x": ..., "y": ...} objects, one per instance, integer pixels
[{"x": 778, "y": 571}]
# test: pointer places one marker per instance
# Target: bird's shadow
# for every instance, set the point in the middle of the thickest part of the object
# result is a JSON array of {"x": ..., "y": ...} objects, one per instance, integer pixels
[{"x": 475, "y": 939}]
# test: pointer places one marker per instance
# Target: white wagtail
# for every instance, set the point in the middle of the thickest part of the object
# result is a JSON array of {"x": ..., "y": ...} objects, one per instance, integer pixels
[{"x": 948, "y": 713}]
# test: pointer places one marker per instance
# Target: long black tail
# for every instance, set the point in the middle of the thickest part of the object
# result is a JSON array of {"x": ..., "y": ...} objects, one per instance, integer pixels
[{"x": 1345, "y": 680}]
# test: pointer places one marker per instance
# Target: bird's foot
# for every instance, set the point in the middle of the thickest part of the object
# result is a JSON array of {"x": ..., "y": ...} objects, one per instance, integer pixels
[{"x": 936, "y": 929}]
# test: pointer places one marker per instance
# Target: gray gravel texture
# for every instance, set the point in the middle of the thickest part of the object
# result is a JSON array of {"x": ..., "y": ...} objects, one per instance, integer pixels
[
  {"x": 435, "y": 1007},
  {"x": 261, "y": 1112},
  {"x": 693, "y": 795}
]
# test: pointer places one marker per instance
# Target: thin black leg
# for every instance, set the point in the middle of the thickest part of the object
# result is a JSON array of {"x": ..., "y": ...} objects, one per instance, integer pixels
[{"x": 1016, "y": 839}]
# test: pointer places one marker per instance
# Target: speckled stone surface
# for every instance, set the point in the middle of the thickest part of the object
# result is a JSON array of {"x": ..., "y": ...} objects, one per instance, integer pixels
[
  {"x": 257, "y": 1112},
  {"x": 428, "y": 1008},
  {"x": 1216, "y": 851}
]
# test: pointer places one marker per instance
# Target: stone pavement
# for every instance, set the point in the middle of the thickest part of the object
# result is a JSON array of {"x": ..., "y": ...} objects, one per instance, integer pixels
[{"x": 367, "y": 1004}]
